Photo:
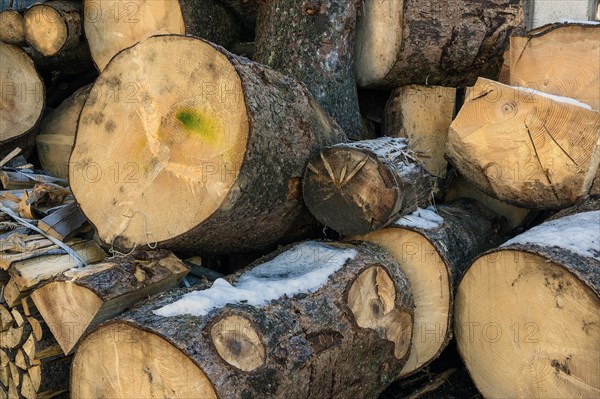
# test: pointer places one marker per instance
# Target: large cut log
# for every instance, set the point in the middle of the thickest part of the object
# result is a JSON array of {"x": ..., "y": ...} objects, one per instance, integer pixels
[
  {"x": 57, "y": 133},
  {"x": 434, "y": 248},
  {"x": 429, "y": 42},
  {"x": 11, "y": 27},
  {"x": 528, "y": 313},
  {"x": 572, "y": 71},
  {"x": 113, "y": 26},
  {"x": 358, "y": 187},
  {"x": 318, "y": 320},
  {"x": 317, "y": 48},
  {"x": 527, "y": 148},
  {"x": 206, "y": 168},
  {"x": 22, "y": 99},
  {"x": 80, "y": 299},
  {"x": 423, "y": 115},
  {"x": 54, "y": 26}
]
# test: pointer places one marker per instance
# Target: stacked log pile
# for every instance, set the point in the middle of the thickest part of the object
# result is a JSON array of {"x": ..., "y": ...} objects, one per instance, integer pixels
[{"x": 339, "y": 176}]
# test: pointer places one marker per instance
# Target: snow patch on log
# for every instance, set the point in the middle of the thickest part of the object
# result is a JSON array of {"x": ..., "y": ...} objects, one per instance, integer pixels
[
  {"x": 425, "y": 219},
  {"x": 577, "y": 233},
  {"x": 555, "y": 97},
  {"x": 302, "y": 269}
]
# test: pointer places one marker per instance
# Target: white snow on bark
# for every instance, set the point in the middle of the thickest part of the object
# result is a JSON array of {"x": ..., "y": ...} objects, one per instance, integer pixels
[
  {"x": 304, "y": 268},
  {"x": 425, "y": 219},
  {"x": 579, "y": 233}
]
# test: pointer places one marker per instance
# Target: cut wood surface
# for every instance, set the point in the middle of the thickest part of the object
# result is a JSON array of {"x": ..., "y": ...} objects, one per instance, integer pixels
[
  {"x": 526, "y": 148},
  {"x": 22, "y": 100},
  {"x": 318, "y": 49},
  {"x": 433, "y": 249},
  {"x": 57, "y": 134},
  {"x": 461, "y": 188},
  {"x": 428, "y": 42},
  {"x": 113, "y": 26},
  {"x": 343, "y": 330},
  {"x": 573, "y": 70},
  {"x": 11, "y": 27},
  {"x": 80, "y": 299},
  {"x": 54, "y": 26},
  {"x": 358, "y": 187},
  {"x": 527, "y": 315},
  {"x": 195, "y": 170},
  {"x": 423, "y": 115}
]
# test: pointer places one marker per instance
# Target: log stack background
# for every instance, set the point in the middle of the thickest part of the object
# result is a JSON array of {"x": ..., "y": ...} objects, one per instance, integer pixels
[{"x": 321, "y": 199}]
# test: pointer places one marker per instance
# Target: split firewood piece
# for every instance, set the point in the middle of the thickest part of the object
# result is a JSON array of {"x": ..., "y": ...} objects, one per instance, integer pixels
[
  {"x": 21, "y": 360},
  {"x": 318, "y": 49},
  {"x": 18, "y": 316},
  {"x": 57, "y": 134},
  {"x": 6, "y": 318},
  {"x": 358, "y": 187},
  {"x": 136, "y": 20},
  {"x": 425, "y": 42},
  {"x": 28, "y": 274},
  {"x": 573, "y": 70},
  {"x": 461, "y": 188},
  {"x": 22, "y": 100},
  {"x": 11, "y": 27},
  {"x": 20, "y": 246},
  {"x": 423, "y": 115},
  {"x": 80, "y": 299},
  {"x": 528, "y": 313},
  {"x": 16, "y": 376},
  {"x": 298, "y": 324},
  {"x": 50, "y": 377},
  {"x": 433, "y": 248},
  {"x": 12, "y": 295},
  {"x": 16, "y": 179},
  {"x": 210, "y": 152},
  {"x": 54, "y": 26},
  {"x": 64, "y": 223},
  {"x": 13, "y": 391},
  {"x": 14, "y": 337},
  {"x": 39, "y": 349},
  {"x": 29, "y": 308},
  {"x": 526, "y": 148}
]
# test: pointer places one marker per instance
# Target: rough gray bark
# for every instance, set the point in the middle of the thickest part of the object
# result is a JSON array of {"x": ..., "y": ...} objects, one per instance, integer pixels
[
  {"x": 314, "y": 348},
  {"x": 314, "y": 41},
  {"x": 246, "y": 10},
  {"x": 362, "y": 186},
  {"x": 210, "y": 20},
  {"x": 452, "y": 43}
]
